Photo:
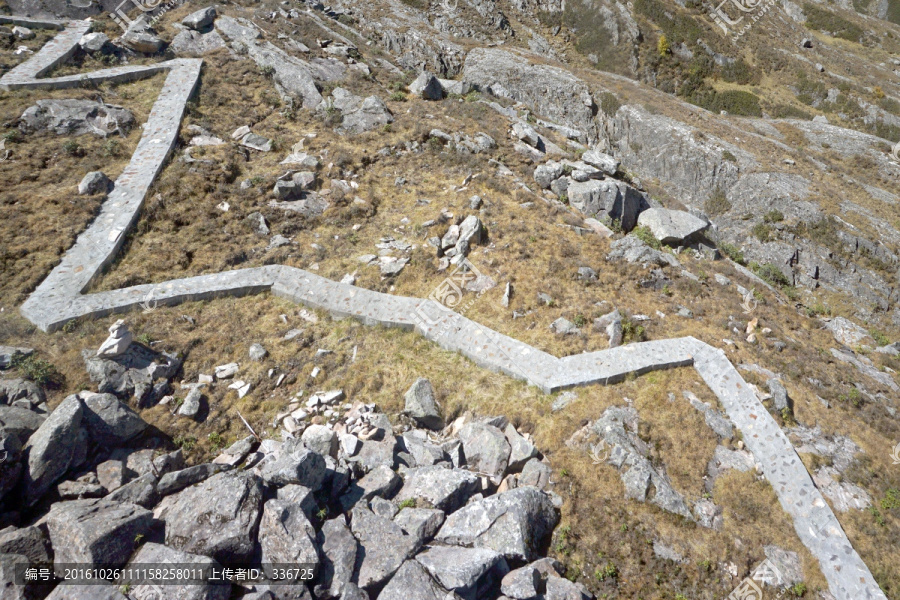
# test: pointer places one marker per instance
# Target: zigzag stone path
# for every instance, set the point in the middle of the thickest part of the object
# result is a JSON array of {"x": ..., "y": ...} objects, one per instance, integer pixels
[{"x": 61, "y": 298}]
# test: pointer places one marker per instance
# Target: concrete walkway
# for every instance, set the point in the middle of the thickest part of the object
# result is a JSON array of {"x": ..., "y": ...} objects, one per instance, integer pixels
[{"x": 60, "y": 298}]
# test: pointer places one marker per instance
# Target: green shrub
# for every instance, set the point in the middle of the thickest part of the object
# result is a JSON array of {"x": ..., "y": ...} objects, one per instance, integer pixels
[
  {"x": 71, "y": 148},
  {"x": 880, "y": 338},
  {"x": 732, "y": 252},
  {"x": 734, "y": 102},
  {"x": 631, "y": 331},
  {"x": 726, "y": 155},
  {"x": 216, "y": 441},
  {"x": 609, "y": 103},
  {"x": 717, "y": 204},
  {"x": 397, "y": 97},
  {"x": 185, "y": 442},
  {"x": 825, "y": 20},
  {"x": 645, "y": 235},
  {"x": 37, "y": 370},
  {"x": 762, "y": 232},
  {"x": 773, "y": 216},
  {"x": 787, "y": 111},
  {"x": 771, "y": 274}
]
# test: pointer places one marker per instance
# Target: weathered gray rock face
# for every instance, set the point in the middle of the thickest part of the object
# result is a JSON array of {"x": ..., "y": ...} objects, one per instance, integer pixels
[
  {"x": 550, "y": 91},
  {"x": 218, "y": 518},
  {"x": 466, "y": 571},
  {"x": 110, "y": 422},
  {"x": 76, "y": 117},
  {"x": 522, "y": 583},
  {"x": 547, "y": 173},
  {"x": 58, "y": 444},
  {"x": 515, "y": 523},
  {"x": 446, "y": 489},
  {"x": 194, "y": 43},
  {"x": 7, "y": 353},
  {"x": 339, "y": 549},
  {"x": 384, "y": 547},
  {"x": 93, "y": 42},
  {"x": 293, "y": 463},
  {"x": 847, "y": 332},
  {"x": 671, "y": 226},
  {"x": 421, "y": 523},
  {"x": 563, "y": 589},
  {"x": 607, "y": 198},
  {"x": 381, "y": 481},
  {"x": 285, "y": 534},
  {"x": 412, "y": 581},
  {"x": 13, "y": 390},
  {"x": 486, "y": 448},
  {"x": 29, "y": 542},
  {"x": 141, "y": 491},
  {"x": 422, "y": 406},
  {"x": 292, "y": 76},
  {"x": 321, "y": 440},
  {"x": 20, "y": 422},
  {"x": 359, "y": 114},
  {"x": 606, "y": 163},
  {"x": 633, "y": 250},
  {"x": 157, "y": 554},
  {"x": 200, "y": 19},
  {"x": 11, "y": 467},
  {"x": 95, "y": 531}
]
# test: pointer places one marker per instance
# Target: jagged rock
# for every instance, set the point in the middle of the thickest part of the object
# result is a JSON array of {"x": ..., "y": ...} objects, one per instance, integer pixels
[
  {"x": 157, "y": 554},
  {"x": 458, "y": 88},
  {"x": 339, "y": 550},
  {"x": 218, "y": 518},
  {"x": 111, "y": 474},
  {"x": 421, "y": 523},
  {"x": 844, "y": 495},
  {"x": 293, "y": 463},
  {"x": 607, "y": 198},
  {"x": 30, "y": 542},
  {"x": 514, "y": 523},
  {"x": 522, "y": 584},
  {"x": 58, "y": 444},
  {"x": 611, "y": 324},
  {"x": 422, "y": 406},
  {"x": 359, "y": 114},
  {"x": 787, "y": 563},
  {"x": 716, "y": 421},
  {"x": 190, "y": 407},
  {"x": 321, "y": 440},
  {"x": 141, "y": 491},
  {"x": 780, "y": 397},
  {"x": 606, "y": 163},
  {"x": 15, "y": 390},
  {"x": 708, "y": 514},
  {"x": 890, "y": 349},
  {"x": 95, "y": 182},
  {"x": 237, "y": 452},
  {"x": 93, "y": 42},
  {"x": 412, "y": 581},
  {"x": 200, "y": 19},
  {"x": 96, "y": 531},
  {"x": 466, "y": 571},
  {"x": 446, "y": 489},
  {"x": 285, "y": 534},
  {"x": 11, "y": 466},
  {"x": 563, "y": 326},
  {"x": 633, "y": 250},
  {"x": 257, "y": 352},
  {"x": 117, "y": 343},
  {"x": 76, "y": 117},
  {"x": 384, "y": 547},
  {"x": 256, "y": 142},
  {"x": 671, "y": 226},
  {"x": 77, "y": 490},
  {"x": 427, "y": 87},
  {"x": 846, "y": 331},
  {"x": 176, "y": 481},
  {"x": 527, "y": 134},
  {"x": 486, "y": 449},
  {"x": 547, "y": 173},
  {"x": 8, "y": 353},
  {"x": 521, "y": 450},
  {"x": 563, "y": 589},
  {"x": 587, "y": 274},
  {"x": 110, "y": 422},
  {"x": 380, "y": 481},
  {"x": 141, "y": 39},
  {"x": 535, "y": 473},
  {"x": 131, "y": 374},
  {"x": 193, "y": 43}
]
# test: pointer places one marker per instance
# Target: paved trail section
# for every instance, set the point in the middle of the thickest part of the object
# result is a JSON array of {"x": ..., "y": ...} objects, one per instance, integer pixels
[{"x": 61, "y": 297}]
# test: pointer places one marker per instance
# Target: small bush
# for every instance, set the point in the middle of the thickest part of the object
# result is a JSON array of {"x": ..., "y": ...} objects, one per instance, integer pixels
[
  {"x": 71, "y": 147},
  {"x": 645, "y": 235},
  {"x": 631, "y": 331},
  {"x": 825, "y": 20},
  {"x": 37, "y": 370},
  {"x": 609, "y": 104},
  {"x": 662, "y": 45},
  {"x": 773, "y": 216},
  {"x": 397, "y": 96},
  {"x": 726, "y": 155},
  {"x": 185, "y": 442},
  {"x": 762, "y": 232},
  {"x": 216, "y": 441},
  {"x": 880, "y": 338},
  {"x": 610, "y": 571},
  {"x": 732, "y": 252},
  {"x": 717, "y": 204},
  {"x": 771, "y": 274},
  {"x": 408, "y": 503}
]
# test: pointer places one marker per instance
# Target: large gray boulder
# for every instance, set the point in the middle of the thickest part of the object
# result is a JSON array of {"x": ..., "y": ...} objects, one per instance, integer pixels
[
  {"x": 339, "y": 549},
  {"x": 631, "y": 249},
  {"x": 200, "y": 19},
  {"x": 672, "y": 226},
  {"x": 20, "y": 422},
  {"x": 194, "y": 43},
  {"x": 141, "y": 491},
  {"x": 421, "y": 523},
  {"x": 412, "y": 581},
  {"x": 96, "y": 531},
  {"x": 8, "y": 353},
  {"x": 176, "y": 481},
  {"x": 134, "y": 373},
  {"x": 94, "y": 182},
  {"x": 321, "y": 439},
  {"x": 514, "y": 523},
  {"x": 11, "y": 466},
  {"x": 563, "y": 589},
  {"x": 486, "y": 448},
  {"x": 76, "y": 117},
  {"x": 110, "y": 422},
  {"x": 470, "y": 572},
  {"x": 293, "y": 463},
  {"x": 422, "y": 406},
  {"x": 427, "y": 87},
  {"x": 547, "y": 173},
  {"x": 13, "y": 390},
  {"x": 360, "y": 114},
  {"x": 522, "y": 584},
  {"x": 157, "y": 554},
  {"x": 218, "y": 518},
  {"x": 384, "y": 547},
  {"x": 550, "y": 91},
  {"x": 58, "y": 444},
  {"x": 30, "y": 542},
  {"x": 141, "y": 39},
  {"x": 606, "y": 163},
  {"x": 521, "y": 450},
  {"x": 438, "y": 487},
  {"x": 609, "y": 198},
  {"x": 381, "y": 481},
  {"x": 285, "y": 535}
]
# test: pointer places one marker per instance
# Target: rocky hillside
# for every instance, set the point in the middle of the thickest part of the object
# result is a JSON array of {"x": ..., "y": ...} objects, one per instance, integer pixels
[{"x": 476, "y": 299}]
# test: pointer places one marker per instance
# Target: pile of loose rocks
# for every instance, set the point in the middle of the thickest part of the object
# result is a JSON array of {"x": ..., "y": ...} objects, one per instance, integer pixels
[{"x": 413, "y": 510}]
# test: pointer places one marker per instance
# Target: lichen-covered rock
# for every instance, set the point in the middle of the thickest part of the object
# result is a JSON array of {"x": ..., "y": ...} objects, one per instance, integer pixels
[
  {"x": 671, "y": 226},
  {"x": 58, "y": 444},
  {"x": 76, "y": 117},
  {"x": 96, "y": 531}
]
